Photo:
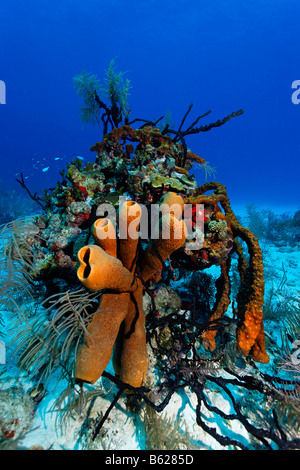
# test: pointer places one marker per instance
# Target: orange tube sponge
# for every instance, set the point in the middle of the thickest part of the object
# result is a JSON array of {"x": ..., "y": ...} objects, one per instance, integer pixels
[
  {"x": 95, "y": 353},
  {"x": 172, "y": 203},
  {"x": 169, "y": 236},
  {"x": 129, "y": 216},
  {"x": 120, "y": 320},
  {"x": 250, "y": 299},
  {"x": 99, "y": 270},
  {"x": 250, "y": 334},
  {"x": 104, "y": 234},
  {"x": 134, "y": 358},
  {"x": 258, "y": 350}
]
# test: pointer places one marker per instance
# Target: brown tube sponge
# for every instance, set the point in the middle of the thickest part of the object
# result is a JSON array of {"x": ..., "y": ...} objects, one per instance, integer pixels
[
  {"x": 119, "y": 322},
  {"x": 99, "y": 270},
  {"x": 95, "y": 353},
  {"x": 159, "y": 248},
  {"x": 129, "y": 216},
  {"x": 134, "y": 358},
  {"x": 172, "y": 203},
  {"x": 104, "y": 234},
  {"x": 250, "y": 333}
]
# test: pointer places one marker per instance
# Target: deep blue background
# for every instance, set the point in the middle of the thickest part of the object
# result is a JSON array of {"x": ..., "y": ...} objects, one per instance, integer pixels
[{"x": 220, "y": 55}]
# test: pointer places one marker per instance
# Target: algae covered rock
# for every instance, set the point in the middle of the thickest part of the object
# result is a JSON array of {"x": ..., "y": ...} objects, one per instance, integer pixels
[
  {"x": 166, "y": 301},
  {"x": 16, "y": 412}
]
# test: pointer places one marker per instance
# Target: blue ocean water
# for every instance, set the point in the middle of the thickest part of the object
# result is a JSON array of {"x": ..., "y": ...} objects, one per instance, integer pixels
[{"x": 221, "y": 56}]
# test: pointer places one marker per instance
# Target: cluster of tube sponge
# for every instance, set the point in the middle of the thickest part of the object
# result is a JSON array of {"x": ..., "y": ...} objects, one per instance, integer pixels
[{"x": 112, "y": 264}]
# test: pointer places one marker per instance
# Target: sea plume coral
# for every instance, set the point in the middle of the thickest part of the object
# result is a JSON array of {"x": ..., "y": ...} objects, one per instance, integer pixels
[
  {"x": 115, "y": 89},
  {"x": 15, "y": 264}
]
